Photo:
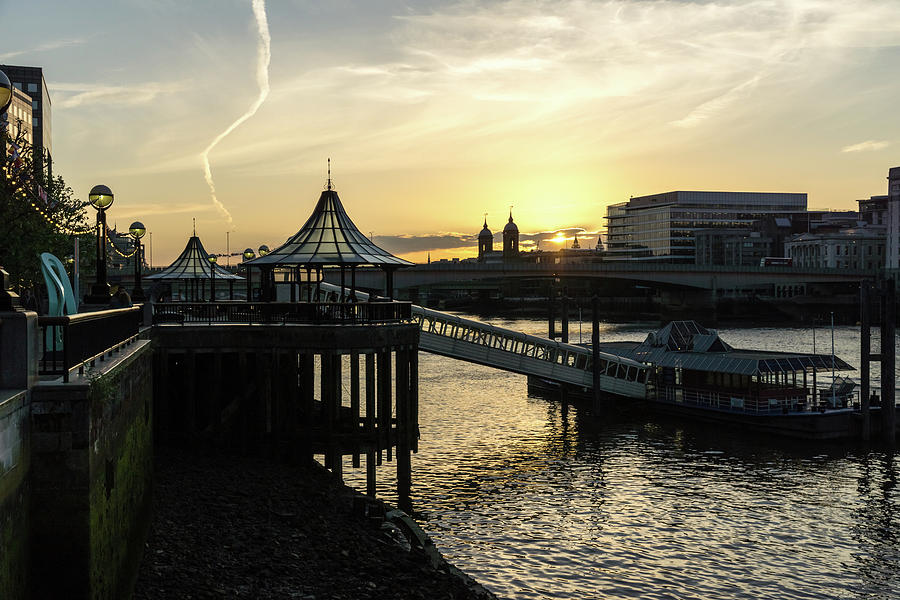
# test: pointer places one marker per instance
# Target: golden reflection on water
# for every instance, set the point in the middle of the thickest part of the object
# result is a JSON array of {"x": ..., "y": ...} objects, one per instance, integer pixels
[{"x": 539, "y": 500}]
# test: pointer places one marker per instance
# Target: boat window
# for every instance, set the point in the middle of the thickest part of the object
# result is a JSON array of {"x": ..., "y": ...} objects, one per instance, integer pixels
[{"x": 611, "y": 369}]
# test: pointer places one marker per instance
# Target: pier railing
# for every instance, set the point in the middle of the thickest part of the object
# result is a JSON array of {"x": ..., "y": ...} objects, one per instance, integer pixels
[
  {"x": 74, "y": 341},
  {"x": 282, "y": 313}
]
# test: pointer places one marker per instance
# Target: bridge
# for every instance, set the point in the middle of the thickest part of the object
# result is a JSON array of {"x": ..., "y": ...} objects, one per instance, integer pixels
[
  {"x": 492, "y": 346},
  {"x": 701, "y": 277}
]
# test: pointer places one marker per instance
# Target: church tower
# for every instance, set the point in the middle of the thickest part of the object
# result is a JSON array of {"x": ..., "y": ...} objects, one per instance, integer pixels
[
  {"x": 510, "y": 239},
  {"x": 485, "y": 241}
]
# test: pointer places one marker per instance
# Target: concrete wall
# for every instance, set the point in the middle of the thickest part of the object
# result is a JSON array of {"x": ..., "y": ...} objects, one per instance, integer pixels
[
  {"x": 92, "y": 465},
  {"x": 15, "y": 459}
]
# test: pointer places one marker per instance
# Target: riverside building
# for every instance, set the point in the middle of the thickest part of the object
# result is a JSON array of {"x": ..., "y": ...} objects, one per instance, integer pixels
[
  {"x": 30, "y": 80},
  {"x": 893, "y": 220},
  {"x": 661, "y": 227}
]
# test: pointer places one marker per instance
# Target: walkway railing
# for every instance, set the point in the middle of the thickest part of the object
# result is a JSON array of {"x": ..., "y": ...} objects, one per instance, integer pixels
[
  {"x": 473, "y": 341},
  {"x": 74, "y": 341},
  {"x": 281, "y": 313}
]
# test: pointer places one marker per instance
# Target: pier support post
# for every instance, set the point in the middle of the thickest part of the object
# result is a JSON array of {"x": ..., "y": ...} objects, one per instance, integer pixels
[
  {"x": 564, "y": 325},
  {"x": 865, "y": 348},
  {"x": 371, "y": 435},
  {"x": 595, "y": 353},
  {"x": 888, "y": 371},
  {"x": 404, "y": 465},
  {"x": 354, "y": 402}
]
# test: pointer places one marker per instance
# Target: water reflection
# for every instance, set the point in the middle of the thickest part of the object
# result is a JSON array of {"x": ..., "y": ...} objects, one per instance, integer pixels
[{"x": 537, "y": 499}]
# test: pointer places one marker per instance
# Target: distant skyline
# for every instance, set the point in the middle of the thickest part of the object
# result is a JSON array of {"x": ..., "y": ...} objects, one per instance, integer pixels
[{"x": 434, "y": 113}]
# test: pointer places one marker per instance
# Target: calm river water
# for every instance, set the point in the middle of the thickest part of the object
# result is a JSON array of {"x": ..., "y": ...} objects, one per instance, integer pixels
[{"x": 535, "y": 501}]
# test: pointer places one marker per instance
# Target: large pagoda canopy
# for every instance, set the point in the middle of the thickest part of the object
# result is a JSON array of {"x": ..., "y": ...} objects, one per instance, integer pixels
[
  {"x": 329, "y": 237},
  {"x": 193, "y": 263}
]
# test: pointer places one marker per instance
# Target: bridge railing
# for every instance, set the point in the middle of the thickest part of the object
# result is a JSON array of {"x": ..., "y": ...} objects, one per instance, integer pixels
[
  {"x": 522, "y": 344},
  {"x": 76, "y": 341},
  {"x": 556, "y": 360},
  {"x": 280, "y": 313}
]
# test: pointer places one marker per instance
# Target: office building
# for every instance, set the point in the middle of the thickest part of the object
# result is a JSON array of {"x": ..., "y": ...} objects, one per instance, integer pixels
[
  {"x": 893, "y": 221},
  {"x": 661, "y": 227},
  {"x": 17, "y": 120},
  {"x": 31, "y": 81}
]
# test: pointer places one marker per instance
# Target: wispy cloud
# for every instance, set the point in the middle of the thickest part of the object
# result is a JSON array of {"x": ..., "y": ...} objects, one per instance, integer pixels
[
  {"x": 867, "y": 146},
  {"x": 45, "y": 47},
  {"x": 73, "y": 95}
]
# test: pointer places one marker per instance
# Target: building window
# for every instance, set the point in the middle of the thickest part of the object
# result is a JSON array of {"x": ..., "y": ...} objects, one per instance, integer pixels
[
  {"x": 35, "y": 105},
  {"x": 32, "y": 88},
  {"x": 35, "y": 121}
]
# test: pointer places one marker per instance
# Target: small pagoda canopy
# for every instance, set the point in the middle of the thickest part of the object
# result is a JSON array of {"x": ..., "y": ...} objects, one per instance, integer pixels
[
  {"x": 329, "y": 238},
  {"x": 193, "y": 263}
]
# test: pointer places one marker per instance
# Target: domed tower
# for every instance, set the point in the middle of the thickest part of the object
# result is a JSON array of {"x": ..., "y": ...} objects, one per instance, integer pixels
[
  {"x": 485, "y": 241},
  {"x": 510, "y": 239}
]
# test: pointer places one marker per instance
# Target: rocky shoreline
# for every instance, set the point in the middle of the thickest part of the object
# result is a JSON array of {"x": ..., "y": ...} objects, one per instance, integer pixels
[{"x": 242, "y": 527}]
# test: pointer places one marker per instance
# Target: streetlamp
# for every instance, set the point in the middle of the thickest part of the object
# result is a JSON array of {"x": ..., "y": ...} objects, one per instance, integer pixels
[
  {"x": 212, "y": 276},
  {"x": 9, "y": 300},
  {"x": 137, "y": 231},
  {"x": 101, "y": 198},
  {"x": 265, "y": 276},
  {"x": 248, "y": 255}
]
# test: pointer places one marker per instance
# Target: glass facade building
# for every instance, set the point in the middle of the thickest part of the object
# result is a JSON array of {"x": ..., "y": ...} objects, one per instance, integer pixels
[
  {"x": 661, "y": 227},
  {"x": 30, "y": 80}
]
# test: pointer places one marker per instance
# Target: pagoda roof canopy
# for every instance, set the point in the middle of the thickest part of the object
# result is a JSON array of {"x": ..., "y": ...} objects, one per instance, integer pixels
[
  {"x": 329, "y": 237},
  {"x": 193, "y": 263}
]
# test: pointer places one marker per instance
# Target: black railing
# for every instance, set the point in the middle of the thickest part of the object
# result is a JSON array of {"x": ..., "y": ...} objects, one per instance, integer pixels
[
  {"x": 279, "y": 313},
  {"x": 74, "y": 341}
]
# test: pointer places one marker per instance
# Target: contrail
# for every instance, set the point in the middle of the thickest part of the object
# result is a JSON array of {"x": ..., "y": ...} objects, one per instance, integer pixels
[{"x": 264, "y": 54}]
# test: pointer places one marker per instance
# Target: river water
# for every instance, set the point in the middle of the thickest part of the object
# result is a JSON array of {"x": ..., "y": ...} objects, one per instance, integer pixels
[{"x": 536, "y": 500}]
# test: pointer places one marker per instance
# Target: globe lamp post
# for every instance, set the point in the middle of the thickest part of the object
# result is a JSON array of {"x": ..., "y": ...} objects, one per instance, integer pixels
[
  {"x": 137, "y": 231},
  {"x": 101, "y": 198},
  {"x": 213, "y": 259},
  {"x": 265, "y": 277},
  {"x": 248, "y": 255},
  {"x": 9, "y": 300}
]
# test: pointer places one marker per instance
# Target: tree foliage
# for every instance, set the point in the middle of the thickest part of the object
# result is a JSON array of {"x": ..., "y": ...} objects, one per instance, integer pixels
[{"x": 24, "y": 232}]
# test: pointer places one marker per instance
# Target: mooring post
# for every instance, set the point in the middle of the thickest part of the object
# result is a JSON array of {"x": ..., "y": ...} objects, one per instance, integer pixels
[
  {"x": 565, "y": 318},
  {"x": 865, "y": 348},
  {"x": 888, "y": 371},
  {"x": 595, "y": 353},
  {"x": 551, "y": 316}
]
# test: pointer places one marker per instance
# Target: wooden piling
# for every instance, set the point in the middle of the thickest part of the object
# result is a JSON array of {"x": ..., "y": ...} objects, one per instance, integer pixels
[
  {"x": 595, "y": 354},
  {"x": 888, "y": 370},
  {"x": 565, "y": 319},
  {"x": 404, "y": 466},
  {"x": 865, "y": 349},
  {"x": 354, "y": 402}
]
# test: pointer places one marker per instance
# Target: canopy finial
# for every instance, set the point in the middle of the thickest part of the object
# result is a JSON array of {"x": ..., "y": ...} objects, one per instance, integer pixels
[{"x": 329, "y": 174}]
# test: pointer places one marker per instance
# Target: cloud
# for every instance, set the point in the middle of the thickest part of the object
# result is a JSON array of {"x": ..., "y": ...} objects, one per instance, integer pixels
[
  {"x": 404, "y": 244},
  {"x": 45, "y": 47},
  {"x": 73, "y": 95},
  {"x": 867, "y": 146}
]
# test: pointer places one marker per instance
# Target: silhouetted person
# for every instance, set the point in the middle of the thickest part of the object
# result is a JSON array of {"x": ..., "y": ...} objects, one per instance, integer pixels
[{"x": 120, "y": 299}]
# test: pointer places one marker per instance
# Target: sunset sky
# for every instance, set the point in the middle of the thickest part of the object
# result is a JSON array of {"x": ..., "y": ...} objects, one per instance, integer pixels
[{"x": 434, "y": 113}]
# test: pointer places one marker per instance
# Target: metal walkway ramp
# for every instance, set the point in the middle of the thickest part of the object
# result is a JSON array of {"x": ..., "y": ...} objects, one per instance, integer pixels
[{"x": 477, "y": 342}]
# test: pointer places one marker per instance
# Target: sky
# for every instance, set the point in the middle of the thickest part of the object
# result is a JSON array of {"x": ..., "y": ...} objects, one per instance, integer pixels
[{"x": 435, "y": 113}]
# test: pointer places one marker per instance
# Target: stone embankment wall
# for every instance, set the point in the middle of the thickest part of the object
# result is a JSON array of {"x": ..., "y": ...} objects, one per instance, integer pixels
[
  {"x": 15, "y": 458},
  {"x": 92, "y": 465}
]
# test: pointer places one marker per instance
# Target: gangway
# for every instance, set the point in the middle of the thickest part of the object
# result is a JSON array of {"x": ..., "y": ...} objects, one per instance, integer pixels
[{"x": 501, "y": 348}]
